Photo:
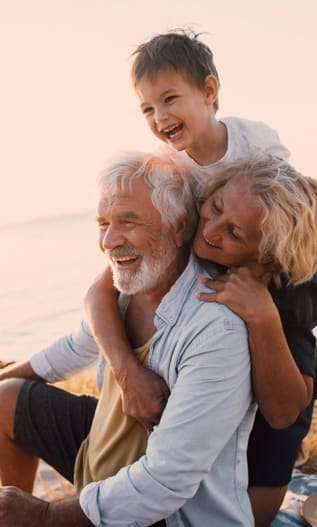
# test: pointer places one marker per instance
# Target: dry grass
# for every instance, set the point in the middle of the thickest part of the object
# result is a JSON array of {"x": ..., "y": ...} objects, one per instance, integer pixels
[{"x": 82, "y": 382}]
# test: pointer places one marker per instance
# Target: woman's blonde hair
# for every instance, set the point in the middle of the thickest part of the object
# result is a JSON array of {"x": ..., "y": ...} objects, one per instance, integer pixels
[{"x": 289, "y": 223}]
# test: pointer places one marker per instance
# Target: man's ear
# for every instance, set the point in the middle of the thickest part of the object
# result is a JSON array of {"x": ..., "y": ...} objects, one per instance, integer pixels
[
  {"x": 211, "y": 90},
  {"x": 180, "y": 233}
]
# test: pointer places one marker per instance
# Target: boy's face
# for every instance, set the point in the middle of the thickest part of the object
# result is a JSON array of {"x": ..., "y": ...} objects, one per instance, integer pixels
[{"x": 176, "y": 111}]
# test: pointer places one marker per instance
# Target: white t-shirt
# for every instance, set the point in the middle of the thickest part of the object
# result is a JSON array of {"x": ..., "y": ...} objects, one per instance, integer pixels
[{"x": 245, "y": 138}]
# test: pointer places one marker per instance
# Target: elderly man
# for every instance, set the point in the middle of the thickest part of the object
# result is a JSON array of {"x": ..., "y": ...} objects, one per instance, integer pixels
[{"x": 194, "y": 470}]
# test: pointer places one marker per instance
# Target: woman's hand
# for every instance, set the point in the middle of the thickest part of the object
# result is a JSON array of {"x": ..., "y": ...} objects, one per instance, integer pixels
[{"x": 242, "y": 289}]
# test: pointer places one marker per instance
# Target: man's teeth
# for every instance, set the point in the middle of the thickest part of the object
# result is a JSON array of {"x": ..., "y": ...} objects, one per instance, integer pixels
[{"x": 124, "y": 258}]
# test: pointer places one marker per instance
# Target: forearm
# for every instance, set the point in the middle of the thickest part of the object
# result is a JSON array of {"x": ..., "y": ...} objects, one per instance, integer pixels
[
  {"x": 22, "y": 369},
  {"x": 105, "y": 322},
  {"x": 281, "y": 391}
]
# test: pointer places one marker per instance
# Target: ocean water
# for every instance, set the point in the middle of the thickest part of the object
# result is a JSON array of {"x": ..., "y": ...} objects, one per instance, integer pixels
[{"x": 45, "y": 268}]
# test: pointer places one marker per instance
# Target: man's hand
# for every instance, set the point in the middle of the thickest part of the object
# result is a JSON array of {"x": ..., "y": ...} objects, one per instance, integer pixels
[
  {"x": 242, "y": 289},
  {"x": 20, "y": 509},
  {"x": 144, "y": 395}
]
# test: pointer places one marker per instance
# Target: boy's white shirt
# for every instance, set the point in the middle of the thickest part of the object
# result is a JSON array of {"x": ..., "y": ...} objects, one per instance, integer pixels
[{"x": 245, "y": 138}]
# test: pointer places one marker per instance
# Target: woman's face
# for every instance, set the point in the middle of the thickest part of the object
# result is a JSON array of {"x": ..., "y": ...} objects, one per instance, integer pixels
[{"x": 229, "y": 228}]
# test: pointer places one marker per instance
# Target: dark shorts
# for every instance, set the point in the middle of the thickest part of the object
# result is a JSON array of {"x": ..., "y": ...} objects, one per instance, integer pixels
[
  {"x": 52, "y": 423},
  {"x": 272, "y": 453}
]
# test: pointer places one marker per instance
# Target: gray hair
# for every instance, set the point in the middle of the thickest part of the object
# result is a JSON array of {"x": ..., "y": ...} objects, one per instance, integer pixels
[
  {"x": 289, "y": 222},
  {"x": 167, "y": 176}
]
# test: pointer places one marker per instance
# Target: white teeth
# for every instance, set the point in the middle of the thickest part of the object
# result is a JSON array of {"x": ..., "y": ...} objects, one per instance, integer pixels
[
  {"x": 169, "y": 131},
  {"x": 170, "y": 128},
  {"x": 124, "y": 258},
  {"x": 210, "y": 243}
]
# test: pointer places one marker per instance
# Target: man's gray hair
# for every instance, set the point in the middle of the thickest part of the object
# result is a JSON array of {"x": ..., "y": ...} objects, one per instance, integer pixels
[{"x": 167, "y": 176}]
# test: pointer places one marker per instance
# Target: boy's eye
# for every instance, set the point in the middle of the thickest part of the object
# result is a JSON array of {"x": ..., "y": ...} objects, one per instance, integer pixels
[
  {"x": 147, "y": 109},
  {"x": 169, "y": 98}
]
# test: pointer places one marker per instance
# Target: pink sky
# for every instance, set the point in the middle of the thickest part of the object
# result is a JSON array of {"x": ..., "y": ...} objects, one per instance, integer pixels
[{"x": 66, "y": 102}]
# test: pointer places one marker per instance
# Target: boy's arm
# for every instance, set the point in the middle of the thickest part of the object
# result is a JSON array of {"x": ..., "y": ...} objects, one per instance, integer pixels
[
  {"x": 281, "y": 390},
  {"x": 144, "y": 393}
]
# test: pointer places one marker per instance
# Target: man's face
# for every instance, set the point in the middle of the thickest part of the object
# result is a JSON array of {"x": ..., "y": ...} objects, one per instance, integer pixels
[
  {"x": 229, "y": 228},
  {"x": 177, "y": 112},
  {"x": 139, "y": 248}
]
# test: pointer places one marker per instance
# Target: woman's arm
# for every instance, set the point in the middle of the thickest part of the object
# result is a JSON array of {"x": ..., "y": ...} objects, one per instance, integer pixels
[
  {"x": 281, "y": 390},
  {"x": 144, "y": 393}
]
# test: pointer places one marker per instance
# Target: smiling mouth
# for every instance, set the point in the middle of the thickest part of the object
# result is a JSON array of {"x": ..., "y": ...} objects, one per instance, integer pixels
[
  {"x": 124, "y": 260},
  {"x": 211, "y": 244},
  {"x": 171, "y": 131}
]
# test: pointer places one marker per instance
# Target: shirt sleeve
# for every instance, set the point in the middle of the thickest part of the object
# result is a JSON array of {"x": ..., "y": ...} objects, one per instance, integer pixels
[
  {"x": 264, "y": 138},
  {"x": 208, "y": 402},
  {"x": 66, "y": 355}
]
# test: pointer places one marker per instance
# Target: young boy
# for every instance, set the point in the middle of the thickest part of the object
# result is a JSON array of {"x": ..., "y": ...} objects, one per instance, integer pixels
[{"x": 177, "y": 84}]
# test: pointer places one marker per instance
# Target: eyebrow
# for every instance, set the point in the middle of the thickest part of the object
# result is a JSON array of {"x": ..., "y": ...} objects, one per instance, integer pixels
[{"x": 129, "y": 215}]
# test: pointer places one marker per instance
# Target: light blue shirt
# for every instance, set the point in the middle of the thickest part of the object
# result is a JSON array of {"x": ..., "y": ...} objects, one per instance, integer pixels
[{"x": 194, "y": 471}]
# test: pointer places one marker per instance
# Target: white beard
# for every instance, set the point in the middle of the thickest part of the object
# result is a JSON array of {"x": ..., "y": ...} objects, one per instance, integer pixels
[{"x": 150, "y": 272}]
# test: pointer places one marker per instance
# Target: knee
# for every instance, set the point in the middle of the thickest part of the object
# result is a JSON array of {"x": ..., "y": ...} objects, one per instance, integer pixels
[{"x": 9, "y": 391}]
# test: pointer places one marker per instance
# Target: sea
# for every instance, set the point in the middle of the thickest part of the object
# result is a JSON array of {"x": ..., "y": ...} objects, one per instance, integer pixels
[{"x": 45, "y": 268}]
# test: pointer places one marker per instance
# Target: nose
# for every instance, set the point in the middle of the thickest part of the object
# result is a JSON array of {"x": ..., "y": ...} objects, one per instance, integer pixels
[
  {"x": 212, "y": 230},
  {"x": 110, "y": 238},
  {"x": 160, "y": 114}
]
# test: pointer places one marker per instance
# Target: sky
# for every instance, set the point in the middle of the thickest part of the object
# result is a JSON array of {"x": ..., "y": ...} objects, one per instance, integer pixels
[{"x": 67, "y": 105}]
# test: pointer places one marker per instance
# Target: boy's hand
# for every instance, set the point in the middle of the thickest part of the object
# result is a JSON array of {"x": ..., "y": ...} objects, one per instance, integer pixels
[
  {"x": 243, "y": 290},
  {"x": 144, "y": 396}
]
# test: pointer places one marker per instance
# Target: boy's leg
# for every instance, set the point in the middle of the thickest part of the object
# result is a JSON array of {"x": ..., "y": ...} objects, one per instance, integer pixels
[
  {"x": 49, "y": 423},
  {"x": 17, "y": 466}
]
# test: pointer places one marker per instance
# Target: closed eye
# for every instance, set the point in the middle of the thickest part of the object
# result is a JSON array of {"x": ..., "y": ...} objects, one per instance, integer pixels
[
  {"x": 216, "y": 207},
  {"x": 233, "y": 234}
]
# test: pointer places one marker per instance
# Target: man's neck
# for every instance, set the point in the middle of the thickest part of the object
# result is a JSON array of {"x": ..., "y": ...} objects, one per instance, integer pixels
[
  {"x": 212, "y": 146},
  {"x": 142, "y": 306}
]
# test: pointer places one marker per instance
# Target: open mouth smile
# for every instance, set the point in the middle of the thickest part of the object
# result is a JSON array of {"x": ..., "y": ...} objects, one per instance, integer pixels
[
  {"x": 172, "y": 131},
  {"x": 124, "y": 260}
]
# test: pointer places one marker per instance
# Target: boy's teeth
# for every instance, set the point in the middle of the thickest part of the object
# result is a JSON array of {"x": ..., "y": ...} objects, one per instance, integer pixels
[{"x": 171, "y": 130}]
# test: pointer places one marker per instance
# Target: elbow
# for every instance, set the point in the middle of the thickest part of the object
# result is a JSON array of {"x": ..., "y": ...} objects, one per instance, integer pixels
[
  {"x": 278, "y": 422},
  {"x": 285, "y": 417}
]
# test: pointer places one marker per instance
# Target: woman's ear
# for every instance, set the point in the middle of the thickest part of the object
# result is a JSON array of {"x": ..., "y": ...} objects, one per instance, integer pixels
[{"x": 211, "y": 90}]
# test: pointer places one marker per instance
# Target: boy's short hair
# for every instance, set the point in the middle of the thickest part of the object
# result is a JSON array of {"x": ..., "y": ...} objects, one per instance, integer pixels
[{"x": 179, "y": 50}]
